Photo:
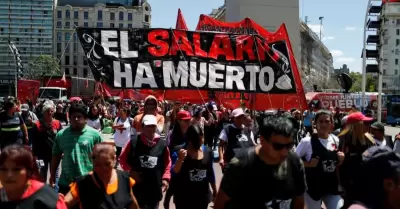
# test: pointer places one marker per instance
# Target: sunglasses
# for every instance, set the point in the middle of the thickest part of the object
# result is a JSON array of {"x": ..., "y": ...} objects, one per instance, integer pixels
[{"x": 279, "y": 146}]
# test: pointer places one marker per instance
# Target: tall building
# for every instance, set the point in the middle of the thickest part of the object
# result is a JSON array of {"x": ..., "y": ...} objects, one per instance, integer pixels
[
  {"x": 29, "y": 25},
  {"x": 388, "y": 27},
  {"x": 71, "y": 14},
  {"x": 269, "y": 14},
  {"x": 314, "y": 59}
]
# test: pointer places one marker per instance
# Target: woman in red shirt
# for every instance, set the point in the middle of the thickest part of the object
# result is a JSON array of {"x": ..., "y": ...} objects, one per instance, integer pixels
[{"x": 19, "y": 189}]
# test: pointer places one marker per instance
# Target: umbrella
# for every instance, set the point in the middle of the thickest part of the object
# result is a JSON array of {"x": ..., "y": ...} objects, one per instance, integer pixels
[{"x": 72, "y": 99}]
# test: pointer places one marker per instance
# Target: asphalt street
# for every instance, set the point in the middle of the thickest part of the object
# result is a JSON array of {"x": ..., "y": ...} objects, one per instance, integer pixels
[
  {"x": 392, "y": 131},
  {"x": 389, "y": 130},
  {"x": 217, "y": 169}
]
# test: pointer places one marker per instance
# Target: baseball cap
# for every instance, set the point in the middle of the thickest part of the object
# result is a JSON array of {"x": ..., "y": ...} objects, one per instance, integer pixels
[
  {"x": 149, "y": 120},
  {"x": 24, "y": 107},
  {"x": 357, "y": 117},
  {"x": 379, "y": 126},
  {"x": 198, "y": 110},
  {"x": 381, "y": 159},
  {"x": 378, "y": 163},
  {"x": 237, "y": 112},
  {"x": 183, "y": 115}
]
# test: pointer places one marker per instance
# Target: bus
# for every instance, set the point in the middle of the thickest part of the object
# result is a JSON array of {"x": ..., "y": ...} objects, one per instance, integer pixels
[
  {"x": 392, "y": 104},
  {"x": 53, "y": 93},
  {"x": 344, "y": 101}
]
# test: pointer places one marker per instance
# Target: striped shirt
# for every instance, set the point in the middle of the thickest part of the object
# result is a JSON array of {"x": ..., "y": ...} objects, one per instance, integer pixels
[
  {"x": 77, "y": 148},
  {"x": 10, "y": 129}
]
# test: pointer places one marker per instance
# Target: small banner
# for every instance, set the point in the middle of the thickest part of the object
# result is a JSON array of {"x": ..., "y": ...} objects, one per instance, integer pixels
[{"x": 177, "y": 59}]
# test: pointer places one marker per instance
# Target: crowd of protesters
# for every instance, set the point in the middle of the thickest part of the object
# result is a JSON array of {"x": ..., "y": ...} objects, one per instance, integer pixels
[{"x": 295, "y": 159}]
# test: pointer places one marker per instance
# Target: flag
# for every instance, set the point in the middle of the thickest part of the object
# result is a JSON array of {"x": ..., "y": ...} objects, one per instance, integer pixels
[
  {"x": 63, "y": 79},
  {"x": 180, "y": 21},
  {"x": 102, "y": 90}
]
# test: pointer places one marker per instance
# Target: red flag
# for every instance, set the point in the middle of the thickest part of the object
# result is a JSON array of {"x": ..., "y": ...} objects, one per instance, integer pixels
[
  {"x": 63, "y": 79},
  {"x": 180, "y": 21},
  {"x": 86, "y": 83},
  {"x": 103, "y": 89}
]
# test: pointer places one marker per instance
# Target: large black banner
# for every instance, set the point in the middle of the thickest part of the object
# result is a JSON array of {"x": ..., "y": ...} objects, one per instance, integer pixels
[{"x": 177, "y": 59}]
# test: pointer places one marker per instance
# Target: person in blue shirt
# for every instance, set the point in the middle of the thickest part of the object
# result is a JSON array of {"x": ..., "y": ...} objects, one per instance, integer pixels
[
  {"x": 193, "y": 172},
  {"x": 308, "y": 120}
]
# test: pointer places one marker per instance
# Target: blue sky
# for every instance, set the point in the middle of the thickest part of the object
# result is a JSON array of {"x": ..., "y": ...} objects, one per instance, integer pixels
[{"x": 342, "y": 24}]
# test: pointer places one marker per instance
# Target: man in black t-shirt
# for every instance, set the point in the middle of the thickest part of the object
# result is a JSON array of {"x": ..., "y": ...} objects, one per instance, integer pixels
[{"x": 267, "y": 176}]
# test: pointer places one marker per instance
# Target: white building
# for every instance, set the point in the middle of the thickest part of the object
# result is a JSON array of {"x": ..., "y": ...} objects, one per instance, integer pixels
[
  {"x": 269, "y": 14},
  {"x": 314, "y": 60},
  {"x": 69, "y": 16},
  {"x": 389, "y": 35}
]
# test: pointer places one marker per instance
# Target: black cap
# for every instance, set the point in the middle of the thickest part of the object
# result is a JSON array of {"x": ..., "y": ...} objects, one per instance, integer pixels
[{"x": 381, "y": 159}]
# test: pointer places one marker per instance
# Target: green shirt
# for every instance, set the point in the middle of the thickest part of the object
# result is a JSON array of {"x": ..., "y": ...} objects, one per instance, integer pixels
[{"x": 77, "y": 148}]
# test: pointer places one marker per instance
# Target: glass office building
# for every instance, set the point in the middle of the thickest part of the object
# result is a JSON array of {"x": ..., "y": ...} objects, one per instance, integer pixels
[{"x": 29, "y": 25}]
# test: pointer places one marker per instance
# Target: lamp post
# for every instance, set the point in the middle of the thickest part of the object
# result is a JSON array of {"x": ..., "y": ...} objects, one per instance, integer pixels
[
  {"x": 18, "y": 65},
  {"x": 380, "y": 81},
  {"x": 320, "y": 27}
]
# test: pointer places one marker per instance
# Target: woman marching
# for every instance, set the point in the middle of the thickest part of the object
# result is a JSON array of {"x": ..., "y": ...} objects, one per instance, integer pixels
[
  {"x": 20, "y": 189},
  {"x": 105, "y": 187},
  {"x": 193, "y": 173},
  {"x": 176, "y": 140},
  {"x": 94, "y": 118},
  {"x": 354, "y": 141},
  {"x": 321, "y": 161}
]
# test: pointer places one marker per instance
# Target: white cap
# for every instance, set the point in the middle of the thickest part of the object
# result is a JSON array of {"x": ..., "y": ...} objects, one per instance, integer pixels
[
  {"x": 149, "y": 120},
  {"x": 237, "y": 112},
  {"x": 24, "y": 107}
]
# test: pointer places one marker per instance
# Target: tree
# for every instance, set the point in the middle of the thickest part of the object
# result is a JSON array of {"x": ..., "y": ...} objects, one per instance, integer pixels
[
  {"x": 44, "y": 65},
  {"x": 357, "y": 82}
]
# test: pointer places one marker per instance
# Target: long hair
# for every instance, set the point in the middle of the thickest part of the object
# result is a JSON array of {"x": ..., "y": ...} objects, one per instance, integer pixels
[
  {"x": 91, "y": 116},
  {"x": 356, "y": 131},
  {"x": 194, "y": 134},
  {"x": 177, "y": 137}
]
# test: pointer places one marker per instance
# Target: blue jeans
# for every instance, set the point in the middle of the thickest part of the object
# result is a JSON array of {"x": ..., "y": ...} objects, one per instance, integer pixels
[{"x": 43, "y": 170}]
